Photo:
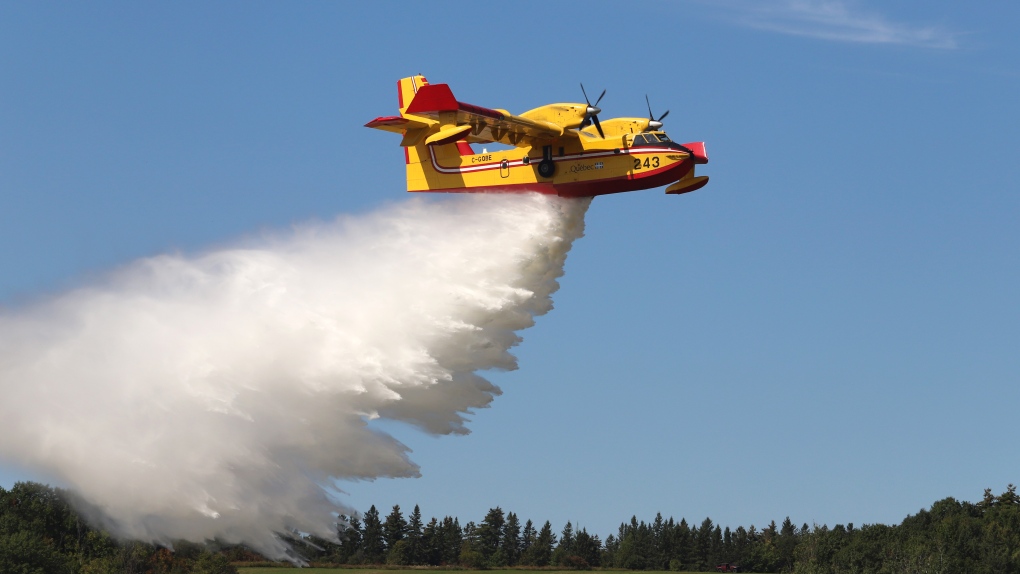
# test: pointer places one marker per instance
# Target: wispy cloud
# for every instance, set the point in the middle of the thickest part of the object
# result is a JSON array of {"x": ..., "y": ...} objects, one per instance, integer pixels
[{"x": 838, "y": 20}]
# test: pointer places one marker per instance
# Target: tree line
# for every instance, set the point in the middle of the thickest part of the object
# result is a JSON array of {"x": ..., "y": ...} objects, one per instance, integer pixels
[
  {"x": 41, "y": 533},
  {"x": 950, "y": 537}
]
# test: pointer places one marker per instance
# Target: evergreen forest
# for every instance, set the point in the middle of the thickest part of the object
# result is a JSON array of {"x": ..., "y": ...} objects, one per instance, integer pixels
[{"x": 42, "y": 533}]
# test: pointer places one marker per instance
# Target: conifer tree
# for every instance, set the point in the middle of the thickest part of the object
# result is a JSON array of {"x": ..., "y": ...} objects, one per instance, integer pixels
[
  {"x": 609, "y": 552},
  {"x": 432, "y": 543},
  {"x": 703, "y": 543},
  {"x": 528, "y": 536},
  {"x": 413, "y": 536},
  {"x": 453, "y": 539},
  {"x": 716, "y": 547},
  {"x": 350, "y": 534},
  {"x": 684, "y": 543},
  {"x": 586, "y": 548},
  {"x": 540, "y": 552},
  {"x": 373, "y": 543},
  {"x": 490, "y": 533},
  {"x": 1010, "y": 497},
  {"x": 787, "y": 542},
  {"x": 566, "y": 546},
  {"x": 511, "y": 544},
  {"x": 659, "y": 560},
  {"x": 395, "y": 527}
]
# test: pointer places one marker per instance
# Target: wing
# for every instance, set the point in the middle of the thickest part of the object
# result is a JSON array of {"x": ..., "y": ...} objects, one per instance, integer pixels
[{"x": 478, "y": 124}]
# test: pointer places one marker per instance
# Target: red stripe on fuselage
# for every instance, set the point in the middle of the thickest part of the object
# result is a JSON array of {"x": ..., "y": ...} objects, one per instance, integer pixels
[
  {"x": 630, "y": 182},
  {"x": 574, "y": 157}
]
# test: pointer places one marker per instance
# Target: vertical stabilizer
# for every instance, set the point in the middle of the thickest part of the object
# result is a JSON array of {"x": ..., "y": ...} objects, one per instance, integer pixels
[{"x": 407, "y": 88}]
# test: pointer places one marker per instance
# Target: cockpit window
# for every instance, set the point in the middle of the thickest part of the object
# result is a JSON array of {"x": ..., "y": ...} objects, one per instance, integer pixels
[
  {"x": 640, "y": 140},
  {"x": 663, "y": 138}
]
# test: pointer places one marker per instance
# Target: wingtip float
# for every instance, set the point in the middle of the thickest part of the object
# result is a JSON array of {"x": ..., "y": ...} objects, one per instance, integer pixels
[{"x": 561, "y": 149}]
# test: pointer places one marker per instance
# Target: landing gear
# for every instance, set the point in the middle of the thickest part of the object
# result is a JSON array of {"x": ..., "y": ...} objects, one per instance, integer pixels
[{"x": 546, "y": 167}]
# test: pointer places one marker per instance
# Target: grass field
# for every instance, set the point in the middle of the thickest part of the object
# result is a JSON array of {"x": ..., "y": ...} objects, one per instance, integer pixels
[{"x": 242, "y": 570}]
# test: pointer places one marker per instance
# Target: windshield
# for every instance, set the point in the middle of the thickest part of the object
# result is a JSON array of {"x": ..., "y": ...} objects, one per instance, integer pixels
[{"x": 650, "y": 139}]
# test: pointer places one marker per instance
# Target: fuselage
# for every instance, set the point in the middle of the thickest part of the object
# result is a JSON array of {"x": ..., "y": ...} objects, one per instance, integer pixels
[{"x": 586, "y": 166}]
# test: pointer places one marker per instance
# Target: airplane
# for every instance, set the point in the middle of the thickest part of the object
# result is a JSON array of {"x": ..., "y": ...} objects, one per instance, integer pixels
[{"x": 561, "y": 149}]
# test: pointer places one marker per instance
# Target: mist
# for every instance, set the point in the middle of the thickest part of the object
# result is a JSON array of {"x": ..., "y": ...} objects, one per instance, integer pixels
[{"x": 221, "y": 395}]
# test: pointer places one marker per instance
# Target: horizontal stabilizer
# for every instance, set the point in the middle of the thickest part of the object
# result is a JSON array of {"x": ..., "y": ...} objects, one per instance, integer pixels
[
  {"x": 387, "y": 121},
  {"x": 395, "y": 124}
]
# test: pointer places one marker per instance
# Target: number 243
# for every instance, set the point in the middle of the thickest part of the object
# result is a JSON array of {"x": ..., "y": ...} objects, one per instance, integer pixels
[{"x": 652, "y": 162}]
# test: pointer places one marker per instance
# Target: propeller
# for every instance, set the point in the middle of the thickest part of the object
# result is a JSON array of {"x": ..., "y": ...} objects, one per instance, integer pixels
[
  {"x": 591, "y": 114},
  {"x": 654, "y": 124}
]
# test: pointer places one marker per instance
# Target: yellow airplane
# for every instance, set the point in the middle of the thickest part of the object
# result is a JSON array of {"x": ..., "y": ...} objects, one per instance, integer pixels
[{"x": 555, "y": 148}]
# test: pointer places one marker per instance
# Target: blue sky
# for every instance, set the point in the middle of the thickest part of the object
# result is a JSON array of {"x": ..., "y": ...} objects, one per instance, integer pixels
[{"x": 828, "y": 330}]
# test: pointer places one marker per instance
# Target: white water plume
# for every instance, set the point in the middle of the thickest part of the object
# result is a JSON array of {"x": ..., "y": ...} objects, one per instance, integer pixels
[{"x": 214, "y": 396}]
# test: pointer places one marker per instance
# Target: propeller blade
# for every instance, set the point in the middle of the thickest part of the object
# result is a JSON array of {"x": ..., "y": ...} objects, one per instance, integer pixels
[
  {"x": 591, "y": 113},
  {"x": 598, "y": 126},
  {"x": 653, "y": 124}
]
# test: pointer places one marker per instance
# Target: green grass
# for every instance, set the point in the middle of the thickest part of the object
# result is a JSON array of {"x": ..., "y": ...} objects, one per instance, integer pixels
[{"x": 276, "y": 570}]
